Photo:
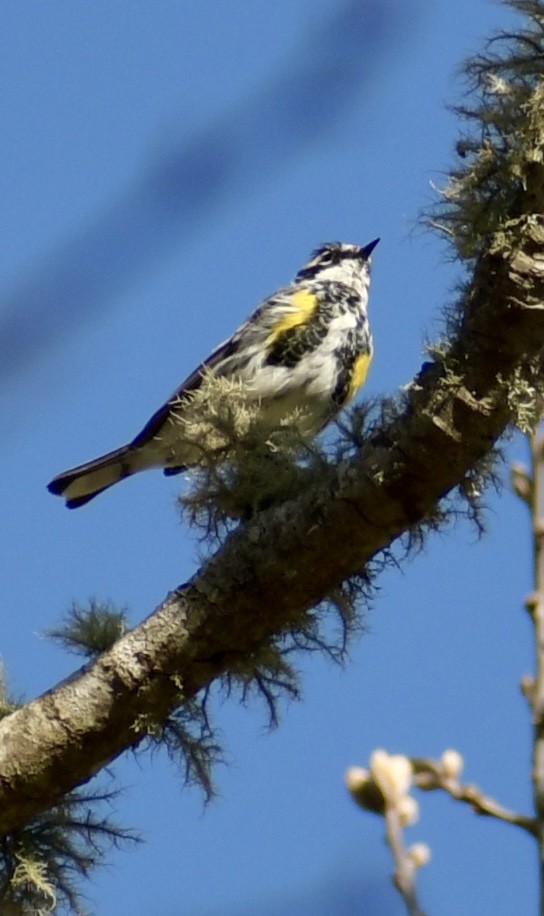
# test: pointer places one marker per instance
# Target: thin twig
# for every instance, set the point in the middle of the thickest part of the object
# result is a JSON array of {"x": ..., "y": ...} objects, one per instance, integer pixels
[
  {"x": 535, "y": 606},
  {"x": 473, "y": 796},
  {"x": 405, "y": 869}
]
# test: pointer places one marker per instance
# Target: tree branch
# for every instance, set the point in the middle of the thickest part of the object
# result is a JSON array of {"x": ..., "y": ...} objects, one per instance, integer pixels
[{"x": 291, "y": 556}]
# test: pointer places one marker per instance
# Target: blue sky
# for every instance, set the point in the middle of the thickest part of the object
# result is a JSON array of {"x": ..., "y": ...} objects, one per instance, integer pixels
[{"x": 165, "y": 166}]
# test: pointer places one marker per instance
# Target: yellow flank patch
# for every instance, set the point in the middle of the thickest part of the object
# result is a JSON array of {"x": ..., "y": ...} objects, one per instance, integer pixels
[
  {"x": 304, "y": 304},
  {"x": 359, "y": 374}
]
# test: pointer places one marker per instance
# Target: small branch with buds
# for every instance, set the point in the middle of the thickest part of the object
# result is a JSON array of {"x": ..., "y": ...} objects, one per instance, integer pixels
[
  {"x": 384, "y": 789},
  {"x": 529, "y": 486},
  {"x": 444, "y": 774}
]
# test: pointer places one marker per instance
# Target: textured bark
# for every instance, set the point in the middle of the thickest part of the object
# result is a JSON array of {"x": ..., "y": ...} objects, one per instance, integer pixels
[{"x": 288, "y": 557}]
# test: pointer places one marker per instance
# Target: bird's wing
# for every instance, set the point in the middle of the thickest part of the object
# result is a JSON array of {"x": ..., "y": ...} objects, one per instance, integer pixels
[
  {"x": 291, "y": 307},
  {"x": 191, "y": 383}
]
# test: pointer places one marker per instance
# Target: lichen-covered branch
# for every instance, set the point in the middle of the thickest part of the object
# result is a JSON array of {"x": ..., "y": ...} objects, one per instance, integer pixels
[{"x": 287, "y": 558}]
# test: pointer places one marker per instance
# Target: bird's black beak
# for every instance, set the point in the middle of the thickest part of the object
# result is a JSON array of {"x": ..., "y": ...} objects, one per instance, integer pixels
[{"x": 368, "y": 249}]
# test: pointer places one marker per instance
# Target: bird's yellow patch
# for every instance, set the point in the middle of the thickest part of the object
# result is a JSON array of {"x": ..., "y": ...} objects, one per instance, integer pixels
[
  {"x": 359, "y": 374},
  {"x": 304, "y": 304}
]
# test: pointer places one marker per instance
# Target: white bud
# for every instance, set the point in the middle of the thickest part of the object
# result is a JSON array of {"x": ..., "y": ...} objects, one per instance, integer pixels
[
  {"x": 356, "y": 778},
  {"x": 365, "y": 790},
  {"x": 408, "y": 810},
  {"x": 392, "y": 772},
  {"x": 452, "y": 764},
  {"x": 419, "y": 854}
]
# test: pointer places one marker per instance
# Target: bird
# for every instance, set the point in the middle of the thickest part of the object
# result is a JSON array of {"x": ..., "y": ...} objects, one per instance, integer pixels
[{"x": 309, "y": 345}]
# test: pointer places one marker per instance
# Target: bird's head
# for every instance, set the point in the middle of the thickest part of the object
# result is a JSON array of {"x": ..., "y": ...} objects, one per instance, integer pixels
[{"x": 339, "y": 261}]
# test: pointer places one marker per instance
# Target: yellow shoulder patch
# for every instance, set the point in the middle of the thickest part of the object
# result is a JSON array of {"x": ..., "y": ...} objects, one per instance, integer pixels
[
  {"x": 359, "y": 374},
  {"x": 304, "y": 305}
]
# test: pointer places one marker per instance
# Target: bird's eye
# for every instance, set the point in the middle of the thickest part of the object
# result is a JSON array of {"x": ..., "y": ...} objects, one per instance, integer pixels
[{"x": 335, "y": 256}]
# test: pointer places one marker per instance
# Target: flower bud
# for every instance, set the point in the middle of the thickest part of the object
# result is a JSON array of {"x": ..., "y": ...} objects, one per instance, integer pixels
[
  {"x": 392, "y": 772},
  {"x": 419, "y": 854},
  {"x": 408, "y": 810},
  {"x": 356, "y": 778},
  {"x": 364, "y": 790},
  {"x": 452, "y": 764}
]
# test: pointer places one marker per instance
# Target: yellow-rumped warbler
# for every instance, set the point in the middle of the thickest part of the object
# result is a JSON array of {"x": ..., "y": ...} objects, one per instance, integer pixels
[{"x": 308, "y": 347}]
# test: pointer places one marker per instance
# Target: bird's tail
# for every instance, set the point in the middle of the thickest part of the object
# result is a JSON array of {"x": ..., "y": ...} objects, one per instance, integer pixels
[{"x": 79, "y": 485}]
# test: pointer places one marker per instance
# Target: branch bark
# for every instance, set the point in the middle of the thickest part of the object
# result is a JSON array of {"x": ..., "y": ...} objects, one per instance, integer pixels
[
  {"x": 535, "y": 606},
  {"x": 289, "y": 557}
]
